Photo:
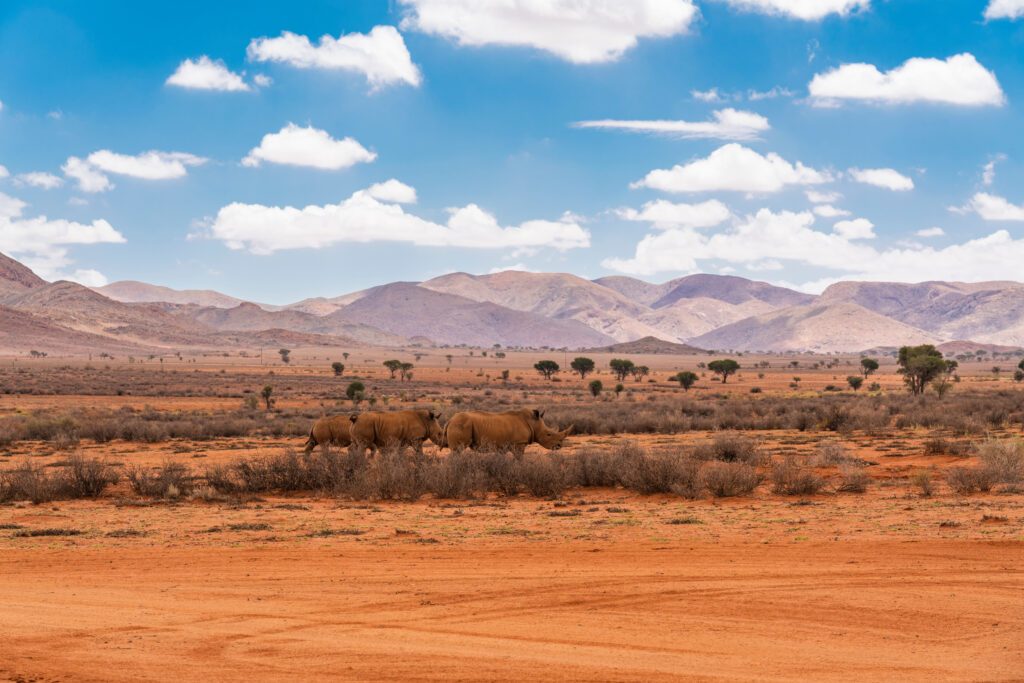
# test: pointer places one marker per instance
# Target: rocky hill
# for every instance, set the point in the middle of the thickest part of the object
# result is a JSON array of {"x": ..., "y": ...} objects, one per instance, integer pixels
[{"x": 515, "y": 308}]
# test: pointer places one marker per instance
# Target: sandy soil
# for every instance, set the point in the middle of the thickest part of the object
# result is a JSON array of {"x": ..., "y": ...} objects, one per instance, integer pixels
[
  {"x": 601, "y": 585},
  {"x": 885, "y": 586}
]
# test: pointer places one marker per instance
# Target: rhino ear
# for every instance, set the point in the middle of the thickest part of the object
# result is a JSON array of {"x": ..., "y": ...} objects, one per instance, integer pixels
[
  {"x": 538, "y": 414},
  {"x": 353, "y": 417},
  {"x": 431, "y": 415}
]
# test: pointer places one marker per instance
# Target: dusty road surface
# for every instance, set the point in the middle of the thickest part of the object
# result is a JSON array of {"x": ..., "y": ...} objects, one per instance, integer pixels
[{"x": 634, "y": 605}]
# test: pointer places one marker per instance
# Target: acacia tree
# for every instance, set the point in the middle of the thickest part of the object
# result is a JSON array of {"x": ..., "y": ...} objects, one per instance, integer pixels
[
  {"x": 686, "y": 379},
  {"x": 393, "y": 366},
  {"x": 355, "y": 392},
  {"x": 406, "y": 371},
  {"x": 639, "y": 372},
  {"x": 584, "y": 366},
  {"x": 855, "y": 381},
  {"x": 596, "y": 387},
  {"x": 919, "y": 365},
  {"x": 547, "y": 368},
  {"x": 868, "y": 365},
  {"x": 724, "y": 367},
  {"x": 338, "y": 368},
  {"x": 285, "y": 355},
  {"x": 621, "y": 367},
  {"x": 267, "y": 392}
]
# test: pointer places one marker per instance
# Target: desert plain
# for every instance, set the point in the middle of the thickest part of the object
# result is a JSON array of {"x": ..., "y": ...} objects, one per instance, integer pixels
[{"x": 885, "y": 566}]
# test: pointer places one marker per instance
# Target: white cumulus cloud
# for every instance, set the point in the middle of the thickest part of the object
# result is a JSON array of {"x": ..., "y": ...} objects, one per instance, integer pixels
[
  {"x": 40, "y": 179},
  {"x": 42, "y": 243},
  {"x": 380, "y": 55},
  {"x": 91, "y": 172},
  {"x": 152, "y": 165},
  {"x": 808, "y": 10},
  {"x": 856, "y": 229},
  {"x": 710, "y": 95},
  {"x": 297, "y": 146},
  {"x": 767, "y": 235},
  {"x": 930, "y": 232},
  {"x": 959, "y": 80},
  {"x": 665, "y": 215},
  {"x": 1005, "y": 9},
  {"x": 819, "y": 197},
  {"x": 988, "y": 173},
  {"x": 207, "y": 74},
  {"x": 393, "y": 191},
  {"x": 578, "y": 31},
  {"x": 993, "y": 208},
  {"x": 363, "y": 218},
  {"x": 89, "y": 179},
  {"x": 886, "y": 178},
  {"x": 726, "y": 124},
  {"x": 829, "y": 211},
  {"x": 786, "y": 237},
  {"x": 735, "y": 168}
]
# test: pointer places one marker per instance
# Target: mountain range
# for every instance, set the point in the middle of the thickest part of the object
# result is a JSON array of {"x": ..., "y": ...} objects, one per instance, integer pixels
[{"x": 514, "y": 309}]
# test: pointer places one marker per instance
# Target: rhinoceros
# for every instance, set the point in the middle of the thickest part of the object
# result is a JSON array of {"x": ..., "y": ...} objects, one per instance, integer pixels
[
  {"x": 513, "y": 431},
  {"x": 375, "y": 430},
  {"x": 334, "y": 430}
]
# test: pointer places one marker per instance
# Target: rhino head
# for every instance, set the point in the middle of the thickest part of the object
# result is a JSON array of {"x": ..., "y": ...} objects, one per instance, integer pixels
[
  {"x": 435, "y": 432},
  {"x": 546, "y": 436}
]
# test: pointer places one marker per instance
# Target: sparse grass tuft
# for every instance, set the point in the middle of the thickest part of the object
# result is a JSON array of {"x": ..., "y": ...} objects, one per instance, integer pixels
[{"x": 790, "y": 479}]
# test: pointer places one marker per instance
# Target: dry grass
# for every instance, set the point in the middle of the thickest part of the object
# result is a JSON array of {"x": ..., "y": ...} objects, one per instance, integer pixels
[
  {"x": 791, "y": 479},
  {"x": 728, "y": 479},
  {"x": 77, "y": 478},
  {"x": 965, "y": 481},
  {"x": 172, "y": 480},
  {"x": 969, "y": 413},
  {"x": 1003, "y": 460},
  {"x": 853, "y": 479}
]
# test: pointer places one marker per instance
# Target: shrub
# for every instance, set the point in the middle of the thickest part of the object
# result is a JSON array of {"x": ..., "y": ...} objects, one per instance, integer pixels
[
  {"x": 853, "y": 479},
  {"x": 728, "y": 479},
  {"x": 542, "y": 475},
  {"x": 731, "y": 447},
  {"x": 830, "y": 454},
  {"x": 11, "y": 430},
  {"x": 33, "y": 483},
  {"x": 51, "y": 428},
  {"x": 500, "y": 469},
  {"x": 89, "y": 478},
  {"x": 923, "y": 481},
  {"x": 965, "y": 480},
  {"x": 459, "y": 475},
  {"x": 790, "y": 479},
  {"x": 1003, "y": 461},
  {"x": 648, "y": 473},
  {"x": 594, "y": 467},
  {"x": 171, "y": 480},
  {"x": 391, "y": 476}
]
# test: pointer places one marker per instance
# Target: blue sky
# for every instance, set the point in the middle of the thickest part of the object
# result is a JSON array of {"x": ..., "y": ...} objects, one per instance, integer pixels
[{"x": 155, "y": 139}]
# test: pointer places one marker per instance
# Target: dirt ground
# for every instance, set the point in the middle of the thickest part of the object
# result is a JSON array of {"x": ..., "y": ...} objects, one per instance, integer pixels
[
  {"x": 601, "y": 584},
  {"x": 882, "y": 586}
]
